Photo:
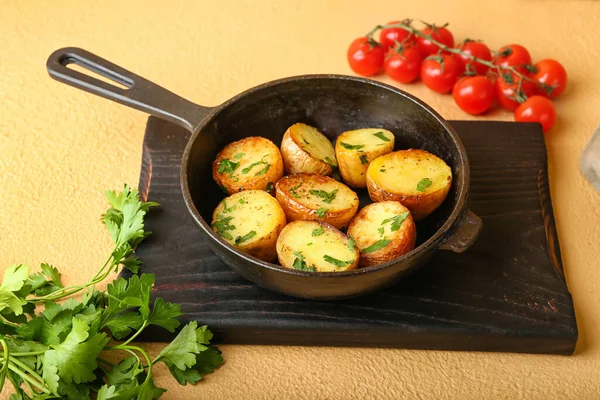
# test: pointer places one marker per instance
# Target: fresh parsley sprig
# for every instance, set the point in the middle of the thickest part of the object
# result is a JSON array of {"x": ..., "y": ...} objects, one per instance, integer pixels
[{"x": 57, "y": 350}]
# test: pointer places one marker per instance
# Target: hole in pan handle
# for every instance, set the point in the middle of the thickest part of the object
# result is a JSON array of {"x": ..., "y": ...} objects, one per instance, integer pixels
[
  {"x": 139, "y": 93},
  {"x": 465, "y": 233}
]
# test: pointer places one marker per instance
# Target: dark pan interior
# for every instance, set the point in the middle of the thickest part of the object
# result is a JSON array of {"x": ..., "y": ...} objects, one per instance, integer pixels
[{"x": 333, "y": 105}]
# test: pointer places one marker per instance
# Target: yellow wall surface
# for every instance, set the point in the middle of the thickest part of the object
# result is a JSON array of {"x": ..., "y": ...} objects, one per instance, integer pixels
[{"x": 61, "y": 148}]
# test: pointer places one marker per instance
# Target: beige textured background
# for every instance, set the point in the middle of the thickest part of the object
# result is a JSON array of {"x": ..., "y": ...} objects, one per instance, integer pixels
[{"x": 61, "y": 148}]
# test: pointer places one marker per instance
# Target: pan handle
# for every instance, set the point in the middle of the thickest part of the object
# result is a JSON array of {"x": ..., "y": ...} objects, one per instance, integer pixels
[
  {"x": 466, "y": 233},
  {"x": 139, "y": 93}
]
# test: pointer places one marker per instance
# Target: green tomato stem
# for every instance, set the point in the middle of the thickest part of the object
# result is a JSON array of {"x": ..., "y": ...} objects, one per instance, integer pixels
[{"x": 443, "y": 47}]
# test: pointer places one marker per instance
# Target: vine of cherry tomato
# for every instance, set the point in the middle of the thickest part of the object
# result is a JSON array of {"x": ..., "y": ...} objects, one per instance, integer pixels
[{"x": 477, "y": 77}]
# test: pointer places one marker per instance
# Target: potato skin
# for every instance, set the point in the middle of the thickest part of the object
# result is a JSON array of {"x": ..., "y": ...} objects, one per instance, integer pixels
[
  {"x": 236, "y": 182},
  {"x": 294, "y": 210},
  {"x": 263, "y": 246},
  {"x": 296, "y": 160},
  {"x": 285, "y": 251},
  {"x": 421, "y": 204},
  {"x": 402, "y": 240},
  {"x": 353, "y": 171}
]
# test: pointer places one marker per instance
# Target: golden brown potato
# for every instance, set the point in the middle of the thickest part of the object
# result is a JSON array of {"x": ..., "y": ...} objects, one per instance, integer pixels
[
  {"x": 416, "y": 178},
  {"x": 314, "y": 197},
  {"x": 356, "y": 149},
  {"x": 251, "y": 163},
  {"x": 317, "y": 247},
  {"x": 250, "y": 220},
  {"x": 305, "y": 149},
  {"x": 383, "y": 231}
]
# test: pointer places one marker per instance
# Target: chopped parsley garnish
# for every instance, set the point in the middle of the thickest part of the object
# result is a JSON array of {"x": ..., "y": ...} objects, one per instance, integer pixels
[
  {"x": 321, "y": 212},
  {"x": 238, "y": 156},
  {"x": 269, "y": 186},
  {"x": 336, "y": 262},
  {"x": 351, "y": 243},
  {"x": 381, "y": 136},
  {"x": 227, "y": 209},
  {"x": 331, "y": 163},
  {"x": 227, "y": 165},
  {"x": 318, "y": 232},
  {"x": 300, "y": 264},
  {"x": 327, "y": 197},
  {"x": 382, "y": 170},
  {"x": 396, "y": 221},
  {"x": 293, "y": 190},
  {"x": 242, "y": 201},
  {"x": 363, "y": 159},
  {"x": 380, "y": 230},
  {"x": 264, "y": 170},
  {"x": 305, "y": 141},
  {"x": 221, "y": 226},
  {"x": 246, "y": 237},
  {"x": 352, "y": 146},
  {"x": 380, "y": 244},
  {"x": 309, "y": 244},
  {"x": 423, "y": 184}
]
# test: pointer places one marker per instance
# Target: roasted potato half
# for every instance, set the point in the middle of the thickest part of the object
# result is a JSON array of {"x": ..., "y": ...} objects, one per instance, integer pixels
[
  {"x": 356, "y": 149},
  {"x": 416, "y": 178},
  {"x": 314, "y": 197},
  {"x": 306, "y": 150},
  {"x": 383, "y": 231},
  {"x": 315, "y": 246},
  {"x": 250, "y": 220},
  {"x": 251, "y": 163}
]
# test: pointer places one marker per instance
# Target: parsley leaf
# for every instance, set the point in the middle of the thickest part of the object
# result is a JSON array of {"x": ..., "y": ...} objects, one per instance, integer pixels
[
  {"x": 327, "y": 197},
  {"x": 336, "y": 262},
  {"x": 331, "y": 163},
  {"x": 380, "y": 244},
  {"x": 380, "y": 230},
  {"x": 264, "y": 170},
  {"x": 226, "y": 209},
  {"x": 249, "y": 167},
  {"x": 246, "y": 237},
  {"x": 381, "y": 136},
  {"x": 363, "y": 159},
  {"x": 293, "y": 190},
  {"x": 73, "y": 360},
  {"x": 351, "y": 243},
  {"x": 238, "y": 156},
  {"x": 320, "y": 212},
  {"x": 352, "y": 146},
  {"x": 269, "y": 187},
  {"x": 423, "y": 184},
  {"x": 222, "y": 225},
  {"x": 227, "y": 166},
  {"x": 300, "y": 263},
  {"x": 395, "y": 220},
  {"x": 318, "y": 231}
]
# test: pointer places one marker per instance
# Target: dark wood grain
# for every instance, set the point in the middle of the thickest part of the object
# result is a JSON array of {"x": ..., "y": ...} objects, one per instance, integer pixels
[{"x": 507, "y": 293}]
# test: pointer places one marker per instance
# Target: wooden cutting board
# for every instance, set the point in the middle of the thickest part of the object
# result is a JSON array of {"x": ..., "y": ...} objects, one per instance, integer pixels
[{"x": 507, "y": 293}]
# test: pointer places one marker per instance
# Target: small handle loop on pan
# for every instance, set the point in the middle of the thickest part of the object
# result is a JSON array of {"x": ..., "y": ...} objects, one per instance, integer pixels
[{"x": 138, "y": 93}]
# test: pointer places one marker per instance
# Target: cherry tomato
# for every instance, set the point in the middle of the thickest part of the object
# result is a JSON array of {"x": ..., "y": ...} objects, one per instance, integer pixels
[
  {"x": 476, "y": 49},
  {"x": 403, "y": 66},
  {"x": 365, "y": 57},
  {"x": 441, "y": 34},
  {"x": 513, "y": 55},
  {"x": 389, "y": 36},
  {"x": 552, "y": 73},
  {"x": 506, "y": 92},
  {"x": 474, "y": 94},
  {"x": 537, "y": 109},
  {"x": 440, "y": 76}
]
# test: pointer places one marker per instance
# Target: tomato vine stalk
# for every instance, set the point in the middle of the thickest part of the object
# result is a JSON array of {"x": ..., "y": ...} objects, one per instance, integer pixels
[{"x": 501, "y": 70}]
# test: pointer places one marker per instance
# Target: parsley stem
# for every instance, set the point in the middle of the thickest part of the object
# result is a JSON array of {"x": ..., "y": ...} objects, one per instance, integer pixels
[
  {"x": 7, "y": 322},
  {"x": 25, "y": 368},
  {"x": 102, "y": 360},
  {"x": 27, "y": 378},
  {"x": 5, "y": 366},
  {"x": 135, "y": 334},
  {"x": 131, "y": 350},
  {"x": 29, "y": 353}
]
